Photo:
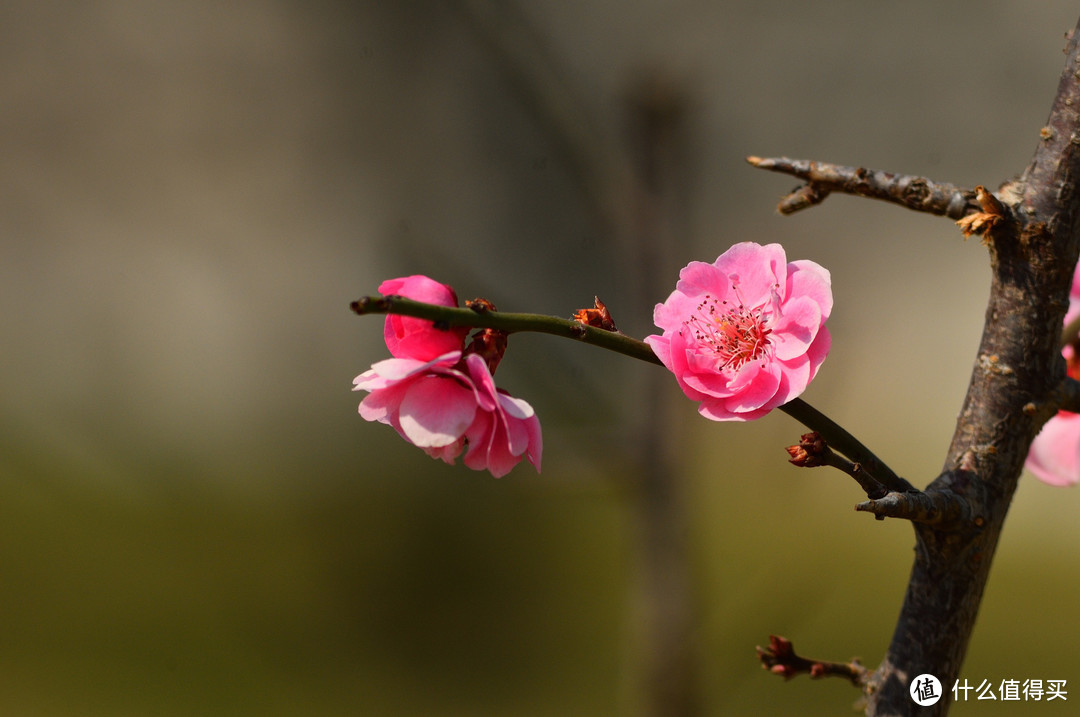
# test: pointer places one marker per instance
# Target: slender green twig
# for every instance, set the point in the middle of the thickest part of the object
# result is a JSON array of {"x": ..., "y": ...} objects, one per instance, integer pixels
[
  {"x": 509, "y": 322},
  {"x": 798, "y": 409}
]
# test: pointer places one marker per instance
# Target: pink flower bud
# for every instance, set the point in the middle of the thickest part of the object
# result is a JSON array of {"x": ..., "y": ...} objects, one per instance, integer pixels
[{"x": 409, "y": 337}]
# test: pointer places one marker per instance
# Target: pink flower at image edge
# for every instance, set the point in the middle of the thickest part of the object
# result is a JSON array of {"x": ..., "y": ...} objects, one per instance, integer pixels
[
  {"x": 1054, "y": 456},
  {"x": 746, "y": 333}
]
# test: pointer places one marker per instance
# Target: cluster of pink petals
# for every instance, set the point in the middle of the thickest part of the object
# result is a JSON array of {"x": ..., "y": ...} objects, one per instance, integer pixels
[
  {"x": 441, "y": 400},
  {"x": 1054, "y": 456},
  {"x": 746, "y": 333}
]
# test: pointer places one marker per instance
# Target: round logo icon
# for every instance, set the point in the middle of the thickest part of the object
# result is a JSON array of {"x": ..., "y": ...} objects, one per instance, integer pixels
[{"x": 925, "y": 690}]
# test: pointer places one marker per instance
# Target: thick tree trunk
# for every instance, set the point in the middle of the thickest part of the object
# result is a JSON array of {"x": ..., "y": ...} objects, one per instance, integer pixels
[{"x": 1033, "y": 252}]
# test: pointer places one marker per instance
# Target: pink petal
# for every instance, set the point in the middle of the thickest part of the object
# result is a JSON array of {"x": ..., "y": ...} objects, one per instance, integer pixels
[
  {"x": 504, "y": 428},
  {"x": 388, "y": 371},
  {"x": 695, "y": 381},
  {"x": 489, "y": 447},
  {"x": 695, "y": 280},
  {"x": 536, "y": 441},
  {"x": 420, "y": 288},
  {"x": 817, "y": 352},
  {"x": 486, "y": 393},
  {"x": 447, "y": 453},
  {"x": 758, "y": 270},
  {"x": 661, "y": 346},
  {"x": 752, "y": 415},
  {"x": 757, "y": 392},
  {"x": 514, "y": 407},
  {"x": 794, "y": 378},
  {"x": 813, "y": 281},
  {"x": 436, "y": 411},
  {"x": 795, "y": 330},
  {"x": 697, "y": 386},
  {"x": 382, "y": 405},
  {"x": 1054, "y": 456}
]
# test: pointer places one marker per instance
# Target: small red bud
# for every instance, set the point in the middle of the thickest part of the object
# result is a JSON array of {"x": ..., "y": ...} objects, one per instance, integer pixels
[
  {"x": 798, "y": 454},
  {"x": 598, "y": 317},
  {"x": 781, "y": 646},
  {"x": 810, "y": 452},
  {"x": 490, "y": 344}
]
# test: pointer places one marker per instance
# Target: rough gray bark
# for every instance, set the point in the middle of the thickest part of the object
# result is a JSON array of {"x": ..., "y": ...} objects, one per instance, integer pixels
[
  {"x": 1017, "y": 383},
  {"x": 1033, "y": 254},
  {"x": 1031, "y": 229}
]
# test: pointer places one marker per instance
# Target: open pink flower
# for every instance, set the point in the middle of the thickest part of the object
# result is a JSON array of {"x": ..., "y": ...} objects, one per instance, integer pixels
[
  {"x": 407, "y": 337},
  {"x": 440, "y": 396},
  {"x": 1054, "y": 456},
  {"x": 446, "y": 404},
  {"x": 746, "y": 333}
]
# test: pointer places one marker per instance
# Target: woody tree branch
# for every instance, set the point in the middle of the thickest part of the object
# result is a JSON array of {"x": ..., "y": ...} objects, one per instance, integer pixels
[
  {"x": 823, "y": 178},
  {"x": 1033, "y": 236},
  {"x": 1019, "y": 360}
]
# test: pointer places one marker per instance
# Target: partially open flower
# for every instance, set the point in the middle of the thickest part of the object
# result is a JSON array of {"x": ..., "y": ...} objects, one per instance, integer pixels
[
  {"x": 441, "y": 396},
  {"x": 745, "y": 333}
]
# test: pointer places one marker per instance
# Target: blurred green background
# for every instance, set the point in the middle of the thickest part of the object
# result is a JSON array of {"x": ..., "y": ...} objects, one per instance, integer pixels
[{"x": 194, "y": 520}]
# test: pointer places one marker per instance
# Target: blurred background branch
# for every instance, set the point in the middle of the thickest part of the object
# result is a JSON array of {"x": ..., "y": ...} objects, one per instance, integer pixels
[{"x": 630, "y": 175}]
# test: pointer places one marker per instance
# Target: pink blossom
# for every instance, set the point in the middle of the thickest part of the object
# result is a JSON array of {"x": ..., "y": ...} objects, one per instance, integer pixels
[
  {"x": 407, "y": 337},
  {"x": 447, "y": 404},
  {"x": 440, "y": 396},
  {"x": 1054, "y": 456},
  {"x": 746, "y": 333}
]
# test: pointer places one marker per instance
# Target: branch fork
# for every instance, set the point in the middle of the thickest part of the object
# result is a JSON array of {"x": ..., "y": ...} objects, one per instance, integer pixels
[
  {"x": 822, "y": 178},
  {"x": 983, "y": 222},
  {"x": 941, "y": 508}
]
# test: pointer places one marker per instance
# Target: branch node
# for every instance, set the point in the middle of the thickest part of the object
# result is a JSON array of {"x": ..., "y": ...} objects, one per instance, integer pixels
[
  {"x": 370, "y": 305},
  {"x": 983, "y": 222},
  {"x": 1065, "y": 397},
  {"x": 802, "y": 198},
  {"x": 822, "y": 178},
  {"x": 932, "y": 507},
  {"x": 599, "y": 316},
  {"x": 480, "y": 306}
]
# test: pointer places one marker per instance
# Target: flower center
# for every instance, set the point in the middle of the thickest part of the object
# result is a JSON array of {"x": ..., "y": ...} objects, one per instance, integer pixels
[{"x": 735, "y": 333}]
